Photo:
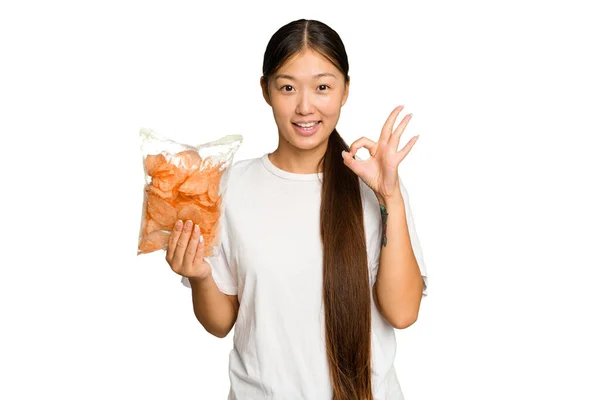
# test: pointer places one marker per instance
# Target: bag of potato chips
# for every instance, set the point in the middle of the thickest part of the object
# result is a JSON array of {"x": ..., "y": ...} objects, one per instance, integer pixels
[{"x": 182, "y": 182}]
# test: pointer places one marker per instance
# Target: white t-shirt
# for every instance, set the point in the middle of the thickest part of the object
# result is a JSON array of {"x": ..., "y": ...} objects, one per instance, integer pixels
[{"x": 270, "y": 255}]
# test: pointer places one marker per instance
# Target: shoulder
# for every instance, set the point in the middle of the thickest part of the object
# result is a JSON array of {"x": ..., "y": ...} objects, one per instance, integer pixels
[
  {"x": 241, "y": 168},
  {"x": 244, "y": 164},
  {"x": 239, "y": 176}
]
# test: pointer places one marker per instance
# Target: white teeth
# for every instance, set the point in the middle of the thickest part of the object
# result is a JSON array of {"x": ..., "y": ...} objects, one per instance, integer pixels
[{"x": 308, "y": 125}]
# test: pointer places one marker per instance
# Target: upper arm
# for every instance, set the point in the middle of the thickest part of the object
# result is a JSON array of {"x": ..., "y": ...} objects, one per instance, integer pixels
[
  {"x": 236, "y": 306},
  {"x": 376, "y": 299}
]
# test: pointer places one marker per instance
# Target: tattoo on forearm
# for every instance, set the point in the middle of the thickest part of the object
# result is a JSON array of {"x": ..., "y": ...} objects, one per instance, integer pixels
[{"x": 384, "y": 215}]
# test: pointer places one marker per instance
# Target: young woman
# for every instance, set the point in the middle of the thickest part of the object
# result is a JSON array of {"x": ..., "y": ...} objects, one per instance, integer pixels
[{"x": 318, "y": 259}]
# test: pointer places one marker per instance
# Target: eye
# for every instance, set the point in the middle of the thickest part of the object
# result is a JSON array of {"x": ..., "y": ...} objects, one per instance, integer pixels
[
  {"x": 286, "y": 86},
  {"x": 326, "y": 86}
]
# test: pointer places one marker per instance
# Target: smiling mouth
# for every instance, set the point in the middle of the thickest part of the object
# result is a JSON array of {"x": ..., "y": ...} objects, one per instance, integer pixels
[
  {"x": 307, "y": 127},
  {"x": 308, "y": 131}
]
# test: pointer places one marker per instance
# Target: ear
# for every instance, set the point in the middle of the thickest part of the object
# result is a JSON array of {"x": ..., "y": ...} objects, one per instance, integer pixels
[
  {"x": 346, "y": 90},
  {"x": 265, "y": 90}
]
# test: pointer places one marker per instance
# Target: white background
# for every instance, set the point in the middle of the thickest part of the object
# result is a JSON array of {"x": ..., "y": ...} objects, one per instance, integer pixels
[{"x": 503, "y": 184}]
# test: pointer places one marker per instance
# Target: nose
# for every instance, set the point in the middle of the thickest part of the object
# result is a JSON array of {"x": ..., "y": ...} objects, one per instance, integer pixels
[{"x": 305, "y": 104}]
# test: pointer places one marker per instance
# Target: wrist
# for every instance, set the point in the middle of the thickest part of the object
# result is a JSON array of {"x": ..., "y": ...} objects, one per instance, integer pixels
[
  {"x": 195, "y": 280},
  {"x": 395, "y": 200}
]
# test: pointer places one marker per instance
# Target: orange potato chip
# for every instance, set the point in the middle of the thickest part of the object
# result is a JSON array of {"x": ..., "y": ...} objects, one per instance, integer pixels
[
  {"x": 156, "y": 240},
  {"x": 166, "y": 195},
  {"x": 151, "y": 226},
  {"x": 167, "y": 180},
  {"x": 188, "y": 160},
  {"x": 195, "y": 184},
  {"x": 161, "y": 211},
  {"x": 192, "y": 212},
  {"x": 183, "y": 201},
  {"x": 152, "y": 161}
]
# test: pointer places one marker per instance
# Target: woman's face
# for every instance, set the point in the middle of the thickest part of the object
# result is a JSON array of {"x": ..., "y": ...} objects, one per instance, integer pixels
[{"x": 306, "y": 89}]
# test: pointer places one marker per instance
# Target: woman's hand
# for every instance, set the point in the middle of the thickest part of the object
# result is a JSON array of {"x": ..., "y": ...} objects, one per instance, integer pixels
[
  {"x": 380, "y": 171},
  {"x": 185, "y": 252}
]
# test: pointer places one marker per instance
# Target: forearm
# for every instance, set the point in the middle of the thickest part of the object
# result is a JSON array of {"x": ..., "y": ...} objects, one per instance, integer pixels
[
  {"x": 399, "y": 284},
  {"x": 212, "y": 308}
]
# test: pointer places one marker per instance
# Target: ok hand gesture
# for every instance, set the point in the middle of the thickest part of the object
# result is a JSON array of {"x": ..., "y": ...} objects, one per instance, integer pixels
[{"x": 380, "y": 171}]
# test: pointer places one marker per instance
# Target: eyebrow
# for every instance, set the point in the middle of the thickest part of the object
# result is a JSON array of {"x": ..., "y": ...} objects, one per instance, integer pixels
[{"x": 322, "y": 74}]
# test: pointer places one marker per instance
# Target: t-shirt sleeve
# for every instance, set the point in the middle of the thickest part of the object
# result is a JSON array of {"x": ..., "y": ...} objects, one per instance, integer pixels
[
  {"x": 414, "y": 240},
  {"x": 224, "y": 271}
]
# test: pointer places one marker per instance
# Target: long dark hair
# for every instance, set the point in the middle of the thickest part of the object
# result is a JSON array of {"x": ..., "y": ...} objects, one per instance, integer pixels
[{"x": 346, "y": 292}]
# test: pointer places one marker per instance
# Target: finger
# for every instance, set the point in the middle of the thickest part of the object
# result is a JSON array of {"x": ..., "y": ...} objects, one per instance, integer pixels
[
  {"x": 406, "y": 149},
  {"x": 364, "y": 142},
  {"x": 199, "y": 257},
  {"x": 182, "y": 244},
  {"x": 192, "y": 246},
  {"x": 357, "y": 166},
  {"x": 172, "y": 244},
  {"x": 395, "y": 138},
  {"x": 389, "y": 124}
]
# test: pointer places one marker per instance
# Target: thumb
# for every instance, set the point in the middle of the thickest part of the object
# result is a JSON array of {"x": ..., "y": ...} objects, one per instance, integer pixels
[
  {"x": 348, "y": 160},
  {"x": 351, "y": 162}
]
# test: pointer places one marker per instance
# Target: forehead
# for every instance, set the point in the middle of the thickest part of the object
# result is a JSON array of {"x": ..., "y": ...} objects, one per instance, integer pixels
[{"x": 305, "y": 65}]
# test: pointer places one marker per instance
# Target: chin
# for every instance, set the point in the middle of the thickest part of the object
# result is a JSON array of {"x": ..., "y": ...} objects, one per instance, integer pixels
[{"x": 308, "y": 143}]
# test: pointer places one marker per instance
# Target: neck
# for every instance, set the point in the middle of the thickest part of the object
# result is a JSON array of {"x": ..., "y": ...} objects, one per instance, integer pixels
[{"x": 298, "y": 161}]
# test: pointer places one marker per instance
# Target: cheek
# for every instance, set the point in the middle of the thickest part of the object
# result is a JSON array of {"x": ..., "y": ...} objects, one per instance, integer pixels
[
  {"x": 329, "y": 105},
  {"x": 282, "y": 107},
  {"x": 330, "y": 109}
]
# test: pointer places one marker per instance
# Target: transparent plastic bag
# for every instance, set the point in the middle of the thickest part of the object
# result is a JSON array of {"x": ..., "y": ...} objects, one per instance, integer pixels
[{"x": 183, "y": 182}]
